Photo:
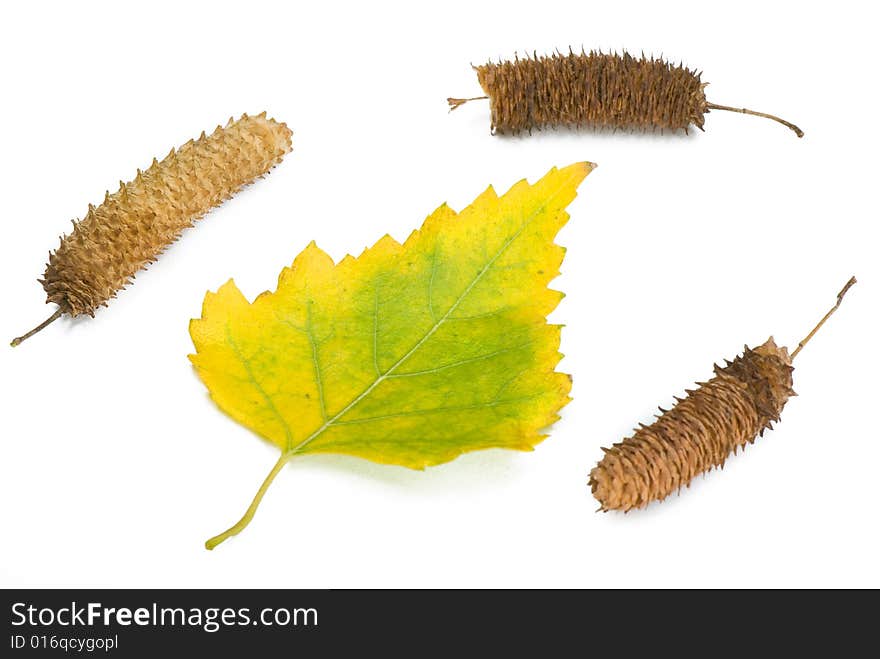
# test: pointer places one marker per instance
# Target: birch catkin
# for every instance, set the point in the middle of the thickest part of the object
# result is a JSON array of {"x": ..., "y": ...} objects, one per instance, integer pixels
[
  {"x": 598, "y": 90},
  {"x": 144, "y": 216},
  {"x": 718, "y": 418},
  {"x": 714, "y": 420}
]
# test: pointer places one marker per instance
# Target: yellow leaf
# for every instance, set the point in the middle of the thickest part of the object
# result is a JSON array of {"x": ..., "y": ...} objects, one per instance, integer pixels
[{"x": 409, "y": 354}]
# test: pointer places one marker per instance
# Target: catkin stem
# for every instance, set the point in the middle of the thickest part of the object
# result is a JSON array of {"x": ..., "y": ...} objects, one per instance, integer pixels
[
  {"x": 455, "y": 103},
  {"x": 787, "y": 124},
  {"x": 51, "y": 319},
  {"x": 241, "y": 524},
  {"x": 849, "y": 284}
]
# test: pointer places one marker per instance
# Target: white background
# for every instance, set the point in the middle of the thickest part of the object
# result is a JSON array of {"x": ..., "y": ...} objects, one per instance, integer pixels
[{"x": 114, "y": 464}]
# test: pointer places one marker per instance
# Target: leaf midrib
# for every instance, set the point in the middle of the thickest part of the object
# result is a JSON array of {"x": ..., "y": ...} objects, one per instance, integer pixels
[
  {"x": 330, "y": 422},
  {"x": 288, "y": 452},
  {"x": 384, "y": 376}
]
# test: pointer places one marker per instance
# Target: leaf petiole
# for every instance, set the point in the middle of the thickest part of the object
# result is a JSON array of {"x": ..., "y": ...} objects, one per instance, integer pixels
[{"x": 241, "y": 524}]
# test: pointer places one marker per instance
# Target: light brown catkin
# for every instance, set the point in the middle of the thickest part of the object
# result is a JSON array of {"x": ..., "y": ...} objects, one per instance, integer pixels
[{"x": 137, "y": 222}]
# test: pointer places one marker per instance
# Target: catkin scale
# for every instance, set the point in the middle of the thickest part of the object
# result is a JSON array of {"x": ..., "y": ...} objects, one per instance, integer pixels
[
  {"x": 597, "y": 90},
  {"x": 144, "y": 216},
  {"x": 718, "y": 418}
]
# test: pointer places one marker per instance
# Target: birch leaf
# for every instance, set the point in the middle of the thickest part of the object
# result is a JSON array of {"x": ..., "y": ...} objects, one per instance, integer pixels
[{"x": 409, "y": 354}]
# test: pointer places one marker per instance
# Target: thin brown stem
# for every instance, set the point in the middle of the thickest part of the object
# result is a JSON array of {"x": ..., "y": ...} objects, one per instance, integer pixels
[
  {"x": 849, "y": 284},
  {"x": 51, "y": 319},
  {"x": 787, "y": 124},
  {"x": 455, "y": 103}
]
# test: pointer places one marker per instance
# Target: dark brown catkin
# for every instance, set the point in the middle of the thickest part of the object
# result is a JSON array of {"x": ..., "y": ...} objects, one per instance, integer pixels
[
  {"x": 136, "y": 223},
  {"x": 596, "y": 90},
  {"x": 714, "y": 420}
]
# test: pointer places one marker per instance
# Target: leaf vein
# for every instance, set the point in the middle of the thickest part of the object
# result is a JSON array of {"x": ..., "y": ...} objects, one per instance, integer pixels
[
  {"x": 478, "y": 316},
  {"x": 460, "y": 362},
  {"x": 507, "y": 383},
  {"x": 435, "y": 410},
  {"x": 253, "y": 380},
  {"x": 431, "y": 285},
  {"x": 318, "y": 379},
  {"x": 376, "y": 333}
]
